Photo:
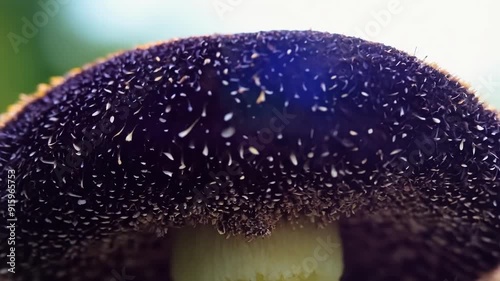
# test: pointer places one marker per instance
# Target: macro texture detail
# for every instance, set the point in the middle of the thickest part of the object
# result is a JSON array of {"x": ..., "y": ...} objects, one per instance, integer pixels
[{"x": 243, "y": 132}]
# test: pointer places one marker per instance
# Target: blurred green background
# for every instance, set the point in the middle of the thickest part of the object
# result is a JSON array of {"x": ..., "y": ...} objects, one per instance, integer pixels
[{"x": 45, "y": 38}]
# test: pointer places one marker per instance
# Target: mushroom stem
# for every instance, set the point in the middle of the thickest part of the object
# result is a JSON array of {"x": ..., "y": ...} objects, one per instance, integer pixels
[{"x": 290, "y": 253}]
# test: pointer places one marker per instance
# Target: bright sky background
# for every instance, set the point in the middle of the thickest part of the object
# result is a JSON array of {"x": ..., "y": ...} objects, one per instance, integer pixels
[{"x": 461, "y": 36}]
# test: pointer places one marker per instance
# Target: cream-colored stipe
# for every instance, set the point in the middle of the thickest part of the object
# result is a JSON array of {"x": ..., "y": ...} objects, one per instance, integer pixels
[{"x": 289, "y": 254}]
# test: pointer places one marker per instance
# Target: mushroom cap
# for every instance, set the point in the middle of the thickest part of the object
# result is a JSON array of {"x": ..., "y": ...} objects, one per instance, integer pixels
[{"x": 244, "y": 131}]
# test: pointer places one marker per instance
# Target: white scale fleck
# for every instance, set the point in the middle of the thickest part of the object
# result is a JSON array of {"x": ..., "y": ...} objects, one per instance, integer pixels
[
  {"x": 334, "y": 172},
  {"x": 293, "y": 158},
  {"x": 204, "y": 112},
  {"x": 169, "y": 155},
  {"x": 323, "y": 87},
  {"x": 228, "y": 116},
  {"x": 396, "y": 151},
  {"x": 419, "y": 117},
  {"x": 119, "y": 158},
  {"x": 128, "y": 138},
  {"x": 188, "y": 130},
  {"x": 261, "y": 98},
  {"x": 253, "y": 150},
  {"x": 228, "y": 132},
  {"x": 119, "y": 132}
]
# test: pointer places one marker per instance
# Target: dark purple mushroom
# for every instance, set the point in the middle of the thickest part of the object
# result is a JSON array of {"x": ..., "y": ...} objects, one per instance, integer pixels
[{"x": 285, "y": 134}]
